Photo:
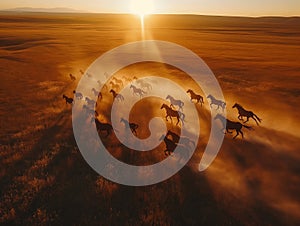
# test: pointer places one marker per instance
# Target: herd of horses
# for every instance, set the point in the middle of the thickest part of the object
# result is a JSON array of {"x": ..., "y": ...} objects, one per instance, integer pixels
[{"x": 173, "y": 110}]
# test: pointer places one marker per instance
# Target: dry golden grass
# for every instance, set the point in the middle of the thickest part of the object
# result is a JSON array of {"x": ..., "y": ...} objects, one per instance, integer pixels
[{"x": 44, "y": 179}]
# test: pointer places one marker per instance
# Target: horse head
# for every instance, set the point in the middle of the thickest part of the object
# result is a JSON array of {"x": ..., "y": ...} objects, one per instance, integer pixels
[
  {"x": 189, "y": 90},
  {"x": 168, "y": 97},
  {"x": 163, "y": 106},
  {"x": 209, "y": 96},
  {"x": 235, "y": 105}
]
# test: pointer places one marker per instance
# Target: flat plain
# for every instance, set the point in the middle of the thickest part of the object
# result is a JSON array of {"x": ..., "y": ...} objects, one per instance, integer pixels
[{"x": 44, "y": 178}]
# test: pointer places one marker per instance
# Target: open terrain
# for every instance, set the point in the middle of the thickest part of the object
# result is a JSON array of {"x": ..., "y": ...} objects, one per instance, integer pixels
[{"x": 45, "y": 180}]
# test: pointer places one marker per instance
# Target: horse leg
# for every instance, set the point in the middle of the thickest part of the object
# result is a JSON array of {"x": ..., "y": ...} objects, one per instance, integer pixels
[
  {"x": 247, "y": 119},
  {"x": 237, "y": 133},
  {"x": 242, "y": 133},
  {"x": 218, "y": 107},
  {"x": 255, "y": 120},
  {"x": 177, "y": 120},
  {"x": 228, "y": 131}
]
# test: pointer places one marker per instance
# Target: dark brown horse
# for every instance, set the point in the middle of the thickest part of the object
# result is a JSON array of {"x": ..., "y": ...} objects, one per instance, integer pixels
[
  {"x": 195, "y": 96},
  {"x": 133, "y": 127},
  {"x": 230, "y": 125},
  {"x": 244, "y": 113},
  {"x": 173, "y": 113},
  {"x": 103, "y": 126},
  {"x": 69, "y": 100}
]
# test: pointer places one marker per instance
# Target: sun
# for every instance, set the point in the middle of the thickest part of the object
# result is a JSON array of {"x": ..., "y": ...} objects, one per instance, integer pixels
[{"x": 142, "y": 7}]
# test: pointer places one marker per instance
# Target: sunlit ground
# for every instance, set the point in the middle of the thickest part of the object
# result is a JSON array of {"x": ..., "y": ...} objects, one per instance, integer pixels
[{"x": 254, "y": 181}]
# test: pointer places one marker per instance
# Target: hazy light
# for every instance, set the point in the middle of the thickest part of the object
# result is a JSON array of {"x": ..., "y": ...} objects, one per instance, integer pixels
[{"x": 142, "y": 7}]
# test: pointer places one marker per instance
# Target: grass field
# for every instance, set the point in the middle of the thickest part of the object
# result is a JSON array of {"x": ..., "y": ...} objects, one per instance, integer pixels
[{"x": 43, "y": 177}]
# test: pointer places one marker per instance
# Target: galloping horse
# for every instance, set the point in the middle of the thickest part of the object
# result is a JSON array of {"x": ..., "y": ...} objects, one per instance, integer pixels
[
  {"x": 116, "y": 95},
  {"x": 170, "y": 145},
  {"x": 137, "y": 91},
  {"x": 102, "y": 126},
  {"x": 102, "y": 85},
  {"x": 245, "y": 113},
  {"x": 230, "y": 125},
  {"x": 217, "y": 102},
  {"x": 114, "y": 86},
  {"x": 173, "y": 113},
  {"x": 195, "y": 96},
  {"x": 69, "y": 100},
  {"x": 173, "y": 101},
  {"x": 78, "y": 95},
  {"x": 133, "y": 127},
  {"x": 118, "y": 81},
  {"x": 126, "y": 79},
  {"x": 144, "y": 84},
  {"x": 72, "y": 77},
  {"x": 90, "y": 101},
  {"x": 185, "y": 140}
]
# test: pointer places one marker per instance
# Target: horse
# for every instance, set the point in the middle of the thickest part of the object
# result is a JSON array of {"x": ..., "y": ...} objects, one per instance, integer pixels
[
  {"x": 171, "y": 146},
  {"x": 144, "y": 85},
  {"x": 217, "y": 102},
  {"x": 89, "y": 111},
  {"x": 126, "y": 79},
  {"x": 230, "y": 125},
  {"x": 185, "y": 140},
  {"x": 117, "y": 95},
  {"x": 244, "y": 113},
  {"x": 95, "y": 92},
  {"x": 103, "y": 126},
  {"x": 118, "y": 81},
  {"x": 90, "y": 102},
  {"x": 173, "y": 101},
  {"x": 102, "y": 85},
  {"x": 114, "y": 86},
  {"x": 195, "y": 96},
  {"x": 137, "y": 91},
  {"x": 72, "y": 77},
  {"x": 133, "y": 127},
  {"x": 78, "y": 95},
  {"x": 69, "y": 100},
  {"x": 173, "y": 113}
]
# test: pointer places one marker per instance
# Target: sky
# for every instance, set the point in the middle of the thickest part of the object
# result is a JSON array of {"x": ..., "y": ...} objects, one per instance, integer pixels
[{"x": 204, "y": 7}]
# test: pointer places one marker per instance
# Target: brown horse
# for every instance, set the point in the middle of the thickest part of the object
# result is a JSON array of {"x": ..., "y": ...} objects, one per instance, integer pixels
[
  {"x": 230, "y": 125},
  {"x": 173, "y": 113},
  {"x": 185, "y": 140},
  {"x": 103, "y": 126},
  {"x": 69, "y": 100},
  {"x": 244, "y": 113},
  {"x": 116, "y": 95},
  {"x": 195, "y": 96},
  {"x": 133, "y": 127}
]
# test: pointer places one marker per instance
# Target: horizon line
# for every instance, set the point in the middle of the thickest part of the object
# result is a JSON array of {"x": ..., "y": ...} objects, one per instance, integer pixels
[{"x": 75, "y": 11}]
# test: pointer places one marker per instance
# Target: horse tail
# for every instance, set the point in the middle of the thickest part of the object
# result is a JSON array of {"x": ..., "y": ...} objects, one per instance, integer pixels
[
  {"x": 248, "y": 127},
  {"x": 257, "y": 117}
]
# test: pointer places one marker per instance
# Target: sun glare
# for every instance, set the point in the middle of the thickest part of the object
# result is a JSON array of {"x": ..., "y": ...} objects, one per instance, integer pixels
[{"x": 142, "y": 7}]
